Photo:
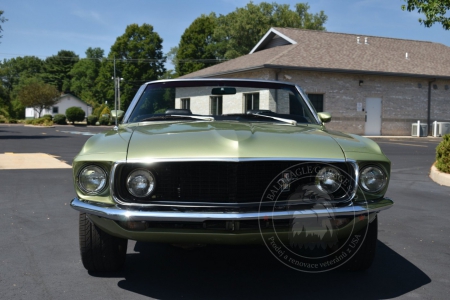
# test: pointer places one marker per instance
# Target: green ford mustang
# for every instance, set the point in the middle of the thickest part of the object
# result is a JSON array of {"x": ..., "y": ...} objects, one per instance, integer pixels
[{"x": 228, "y": 161}]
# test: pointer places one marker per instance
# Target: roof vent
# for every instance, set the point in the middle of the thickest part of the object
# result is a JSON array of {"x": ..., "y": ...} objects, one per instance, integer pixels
[
  {"x": 366, "y": 41},
  {"x": 406, "y": 55},
  {"x": 357, "y": 40}
]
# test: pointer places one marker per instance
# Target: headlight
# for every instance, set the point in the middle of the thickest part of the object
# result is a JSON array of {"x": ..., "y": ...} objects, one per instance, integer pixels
[
  {"x": 373, "y": 179},
  {"x": 92, "y": 179},
  {"x": 140, "y": 183},
  {"x": 328, "y": 179}
]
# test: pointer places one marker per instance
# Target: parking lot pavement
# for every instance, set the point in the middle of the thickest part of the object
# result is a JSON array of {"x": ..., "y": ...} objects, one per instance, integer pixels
[
  {"x": 41, "y": 260},
  {"x": 63, "y": 142}
]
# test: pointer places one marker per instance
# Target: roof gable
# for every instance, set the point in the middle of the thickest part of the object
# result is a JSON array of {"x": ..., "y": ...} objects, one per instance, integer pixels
[
  {"x": 70, "y": 97},
  {"x": 273, "y": 38}
]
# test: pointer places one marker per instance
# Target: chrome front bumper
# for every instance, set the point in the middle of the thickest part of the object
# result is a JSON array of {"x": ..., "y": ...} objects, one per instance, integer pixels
[{"x": 122, "y": 213}]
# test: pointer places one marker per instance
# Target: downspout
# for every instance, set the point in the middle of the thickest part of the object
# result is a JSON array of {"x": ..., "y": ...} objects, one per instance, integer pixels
[{"x": 429, "y": 107}]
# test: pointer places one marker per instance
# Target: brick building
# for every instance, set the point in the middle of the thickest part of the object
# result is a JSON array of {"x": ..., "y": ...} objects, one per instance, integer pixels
[{"x": 371, "y": 85}]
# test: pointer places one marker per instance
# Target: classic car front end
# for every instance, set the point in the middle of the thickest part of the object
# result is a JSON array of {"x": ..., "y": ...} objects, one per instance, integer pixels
[{"x": 224, "y": 161}]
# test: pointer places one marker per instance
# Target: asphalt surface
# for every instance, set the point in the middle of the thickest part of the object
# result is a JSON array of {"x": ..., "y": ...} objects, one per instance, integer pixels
[{"x": 40, "y": 255}]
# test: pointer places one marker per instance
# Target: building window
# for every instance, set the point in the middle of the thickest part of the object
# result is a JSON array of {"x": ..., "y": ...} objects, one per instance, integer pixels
[
  {"x": 317, "y": 101},
  {"x": 55, "y": 110},
  {"x": 186, "y": 103},
  {"x": 216, "y": 105},
  {"x": 251, "y": 101}
]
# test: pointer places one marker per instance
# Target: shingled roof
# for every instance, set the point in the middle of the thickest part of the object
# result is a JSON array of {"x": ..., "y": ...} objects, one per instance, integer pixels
[{"x": 290, "y": 48}]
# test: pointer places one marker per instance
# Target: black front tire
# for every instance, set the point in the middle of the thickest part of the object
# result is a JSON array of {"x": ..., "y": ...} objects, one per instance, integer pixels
[
  {"x": 365, "y": 255},
  {"x": 100, "y": 251}
]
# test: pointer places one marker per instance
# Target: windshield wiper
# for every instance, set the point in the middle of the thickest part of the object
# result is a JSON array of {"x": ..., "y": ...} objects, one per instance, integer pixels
[
  {"x": 289, "y": 121},
  {"x": 165, "y": 117}
]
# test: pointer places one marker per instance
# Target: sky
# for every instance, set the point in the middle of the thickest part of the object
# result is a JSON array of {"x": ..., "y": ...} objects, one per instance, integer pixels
[{"x": 42, "y": 28}]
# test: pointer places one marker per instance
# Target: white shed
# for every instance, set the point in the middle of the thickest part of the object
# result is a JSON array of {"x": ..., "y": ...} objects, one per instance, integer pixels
[{"x": 64, "y": 102}]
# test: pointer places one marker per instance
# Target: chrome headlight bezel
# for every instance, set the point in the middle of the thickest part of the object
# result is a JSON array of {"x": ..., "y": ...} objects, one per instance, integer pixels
[
  {"x": 100, "y": 187},
  {"x": 147, "y": 175},
  {"x": 380, "y": 173},
  {"x": 328, "y": 179}
]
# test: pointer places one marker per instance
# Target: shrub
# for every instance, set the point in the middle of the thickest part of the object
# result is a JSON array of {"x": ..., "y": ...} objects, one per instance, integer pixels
[
  {"x": 98, "y": 110},
  {"x": 443, "y": 154},
  {"x": 12, "y": 121},
  {"x": 41, "y": 122},
  {"x": 59, "y": 119},
  {"x": 48, "y": 117},
  {"x": 92, "y": 119},
  {"x": 75, "y": 114},
  {"x": 105, "y": 111},
  {"x": 104, "y": 120}
]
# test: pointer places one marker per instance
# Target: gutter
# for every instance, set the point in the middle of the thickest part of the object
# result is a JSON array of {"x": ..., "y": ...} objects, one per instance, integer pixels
[{"x": 328, "y": 70}]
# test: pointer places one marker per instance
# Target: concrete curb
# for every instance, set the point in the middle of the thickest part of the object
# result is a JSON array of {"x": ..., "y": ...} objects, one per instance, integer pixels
[
  {"x": 401, "y": 137},
  {"x": 439, "y": 177}
]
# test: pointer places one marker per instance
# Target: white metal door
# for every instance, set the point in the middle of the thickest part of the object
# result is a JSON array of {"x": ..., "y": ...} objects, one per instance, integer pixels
[{"x": 373, "y": 116}]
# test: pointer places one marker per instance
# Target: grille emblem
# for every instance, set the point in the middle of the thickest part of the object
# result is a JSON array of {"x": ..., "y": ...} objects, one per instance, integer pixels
[{"x": 285, "y": 182}]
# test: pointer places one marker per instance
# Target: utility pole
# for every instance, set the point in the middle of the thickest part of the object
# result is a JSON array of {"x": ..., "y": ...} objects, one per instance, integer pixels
[{"x": 118, "y": 91}]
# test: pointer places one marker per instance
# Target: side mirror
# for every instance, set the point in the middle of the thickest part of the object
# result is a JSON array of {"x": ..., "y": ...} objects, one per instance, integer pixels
[
  {"x": 324, "y": 117},
  {"x": 117, "y": 114}
]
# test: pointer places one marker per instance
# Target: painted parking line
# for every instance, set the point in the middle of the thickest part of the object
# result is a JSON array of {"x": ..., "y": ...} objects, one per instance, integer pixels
[
  {"x": 79, "y": 132},
  {"x": 26, "y": 161},
  {"x": 404, "y": 144}
]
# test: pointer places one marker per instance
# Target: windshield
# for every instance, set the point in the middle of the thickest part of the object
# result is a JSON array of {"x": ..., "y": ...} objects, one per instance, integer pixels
[{"x": 221, "y": 100}]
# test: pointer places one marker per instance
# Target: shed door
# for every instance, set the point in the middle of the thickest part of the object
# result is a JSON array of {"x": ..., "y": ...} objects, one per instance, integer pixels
[{"x": 373, "y": 116}]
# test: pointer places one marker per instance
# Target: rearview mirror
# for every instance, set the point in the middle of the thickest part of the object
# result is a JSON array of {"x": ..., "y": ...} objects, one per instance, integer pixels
[{"x": 224, "y": 91}]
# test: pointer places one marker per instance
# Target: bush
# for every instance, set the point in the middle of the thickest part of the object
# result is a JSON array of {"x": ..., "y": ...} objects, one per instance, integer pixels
[
  {"x": 98, "y": 110},
  {"x": 105, "y": 111},
  {"x": 92, "y": 119},
  {"x": 40, "y": 122},
  {"x": 104, "y": 120},
  {"x": 59, "y": 119},
  {"x": 443, "y": 154},
  {"x": 12, "y": 121},
  {"x": 75, "y": 114},
  {"x": 48, "y": 117}
]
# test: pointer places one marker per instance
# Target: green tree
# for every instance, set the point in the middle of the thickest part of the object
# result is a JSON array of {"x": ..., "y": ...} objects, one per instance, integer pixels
[
  {"x": 14, "y": 69},
  {"x": 14, "y": 73},
  {"x": 172, "y": 55},
  {"x": 57, "y": 69},
  {"x": 37, "y": 94},
  {"x": 2, "y": 20},
  {"x": 211, "y": 39},
  {"x": 239, "y": 31},
  {"x": 139, "y": 58},
  {"x": 196, "y": 48},
  {"x": 4, "y": 102},
  {"x": 435, "y": 11},
  {"x": 84, "y": 75},
  {"x": 75, "y": 114}
]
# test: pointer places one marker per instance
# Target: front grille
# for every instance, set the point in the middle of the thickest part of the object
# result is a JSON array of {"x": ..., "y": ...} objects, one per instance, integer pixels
[{"x": 223, "y": 182}]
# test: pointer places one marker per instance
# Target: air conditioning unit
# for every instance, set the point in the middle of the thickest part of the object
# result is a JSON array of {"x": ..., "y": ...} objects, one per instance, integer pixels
[
  {"x": 423, "y": 130},
  {"x": 441, "y": 128}
]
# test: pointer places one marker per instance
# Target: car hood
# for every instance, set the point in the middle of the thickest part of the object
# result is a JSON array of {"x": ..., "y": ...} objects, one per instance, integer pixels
[{"x": 209, "y": 140}]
